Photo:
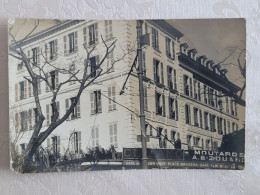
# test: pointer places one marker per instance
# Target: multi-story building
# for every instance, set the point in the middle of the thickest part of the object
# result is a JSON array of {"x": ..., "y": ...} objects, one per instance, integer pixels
[{"x": 187, "y": 98}]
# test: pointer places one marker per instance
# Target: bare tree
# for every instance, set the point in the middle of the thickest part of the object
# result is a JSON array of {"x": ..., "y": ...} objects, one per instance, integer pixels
[{"x": 39, "y": 73}]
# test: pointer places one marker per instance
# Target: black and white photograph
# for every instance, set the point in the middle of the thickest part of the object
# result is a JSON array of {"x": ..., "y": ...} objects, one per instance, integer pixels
[{"x": 91, "y": 95}]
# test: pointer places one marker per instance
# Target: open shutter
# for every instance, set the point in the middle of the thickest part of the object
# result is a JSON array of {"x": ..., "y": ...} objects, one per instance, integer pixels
[
  {"x": 56, "y": 79},
  {"x": 16, "y": 122},
  {"x": 25, "y": 89},
  {"x": 47, "y": 114},
  {"x": 156, "y": 103},
  {"x": 55, "y": 48},
  {"x": 58, "y": 107},
  {"x": 92, "y": 102},
  {"x": 175, "y": 79},
  {"x": 78, "y": 108},
  {"x": 58, "y": 144},
  {"x": 29, "y": 55},
  {"x": 38, "y": 56},
  {"x": 153, "y": 37},
  {"x": 79, "y": 140},
  {"x": 30, "y": 89},
  {"x": 39, "y": 86},
  {"x": 110, "y": 97},
  {"x": 162, "y": 81},
  {"x": 85, "y": 36},
  {"x": 154, "y": 70},
  {"x": 163, "y": 101},
  {"x": 173, "y": 50},
  {"x": 65, "y": 45},
  {"x": 76, "y": 40},
  {"x": 67, "y": 107},
  {"x": 29, "y": 117},
  {"x": 16, "y": 92},
  {"x": 96, "y": 32},
  {"x": 46, "y": 52},
  {"x": 97, "y": 65},
  {"x": 99, "y": 102},
  {"x": 114, "y": 97},
  {"x": 86, "y": 64},
  {"x": 48, "y": 79}
]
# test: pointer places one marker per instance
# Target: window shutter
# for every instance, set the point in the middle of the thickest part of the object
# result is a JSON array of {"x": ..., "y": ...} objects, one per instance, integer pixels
[
  {"x": 48, "y": 79},
  {"x": 16, "y": 122},
  {"x": 48, "y": 143},
  {"x": 46, "y": 52},
  {"x": 86, "y": 64},
  {"x": 29, "y": 55},
  {"x": 16, "y": 92},
  {"x": 175, "y": 79},
  {"x": 163, "y": 100},
  {"x": 85, "y": 36},
  {"x": 110, "y": 97},
  {"x": 58, "y": 108},
  {"x": 55, "y": 48},
  {"x": 156, "y": 103},
  {"x": 173, "y": 50},
  {"x": 76, "y": 40},
  {"x": 56, "y": 79},
  {"x": 92, "y": 102},
  {"x": 39, "y": 86},
  {"x": 30, "y": 89},
  {"x": 79, "y": 140},
  {"x": 97, "y": 65},
  {"x": 176, "y": 110},
  {"x": 114, "y": 96},
  {"x": 78, "y": 108},
  {"x": 67, "y": 107},
  {"x": 96, "y": 32},
  {"x": 25, "y": 89},
  {"x": 47, "y": 114},
  {"x": 154, "y": 70},
  {"x": 153, "y": 37},
  {"x": 168, "y": 76},
  {"x": 99, "y": 102},
  {"x": 65, "y": 45},
  {"x": 191, "y": 94},
  {"x": 38, "y": 56},
  {"x": 58, "y": 144},
  {"x": 29, "y": 117},
  {"x": 162, "y": 81}
]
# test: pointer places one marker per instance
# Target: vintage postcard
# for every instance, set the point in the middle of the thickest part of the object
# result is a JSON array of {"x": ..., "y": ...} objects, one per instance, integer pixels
[{"x": 126, "y": 94}]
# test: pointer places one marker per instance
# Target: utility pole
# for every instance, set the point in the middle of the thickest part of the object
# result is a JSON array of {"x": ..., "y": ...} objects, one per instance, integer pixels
[{"x": 141, "y": 95}]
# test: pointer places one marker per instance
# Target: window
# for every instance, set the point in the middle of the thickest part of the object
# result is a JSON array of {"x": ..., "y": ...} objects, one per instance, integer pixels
[
  {"x": 196, "y": 121},
  {"x": 171, "y": 77},
  {"x": 187, "y": 114},
  {"x": 53, "y": 81},
  {"x": 233, "y": 127},
  {"x": 112, "y": 98},
  {"x": 93, "y": 34},
  {"x": 232, "y": 106},
  {"x": 170, "y": 50},
  {"x": 196, "y": 141},
  {"x": 173, "y": 135},
  {"x": 199, "y": 96},
  {"x": 36, "y": 115},
  {"x": 50, "y": 112},
  {"x": 53, "y": 49},
  {"x": 108, "y": 29},
  {"x": 211, "y": 99},
  {"x": 94, "y": 66},
  {"x": 227, "y": 104},
  {"x": 187, "y": 85},
  {"x": 155, "y": 39},
  {"x": 229, "y": 131},
  {"x": 23, "y": 121},
  {"x": 20, "y": 66},
  {"x": 95, "y": 137},
  {"x": 220, "y": 121},
  {"x": 200, "y": 114},
  {"x": 36, "y": 55},
  {"x": 207, "y": 145},
  {"x": 212, "y": 122},
  {"x": 151, "y": 130},
  {"x": 53, "y": 144},
  {"x": 159, "y": 131},
  {"x": 160, "y": 104},
  {"x": 72, "y": 74},
  {"x": 23, "y": 147},
  {"x": 76, "y": 110},
  {"x": 110, "y": 62},
  {"x": 146, "y": 28},
  {"x": 195, "y": 89},
  {"x": 72, "y": 43},
  {"x": 156, "y": 65},
  {"x": 85, "y": 36},
  {"x": 23, "y": 90},
  {"x": 205, "y": 94},
  {"x": 173, "y": 109},
  {"x": 76, "y": 141},
  {"x": 113, "y": 134},
  {"x": 225, "y": 127},
  {"x": 95, "y": 99},
  {"x": 189, "y": 141},
  {"x": 29, "y": 119},
  {"x": 206, "y": 120},
  {"x": 145, "y": 99}
]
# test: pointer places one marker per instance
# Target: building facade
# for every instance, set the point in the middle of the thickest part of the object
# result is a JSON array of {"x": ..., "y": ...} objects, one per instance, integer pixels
[{"x": 187, "y": 98}]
